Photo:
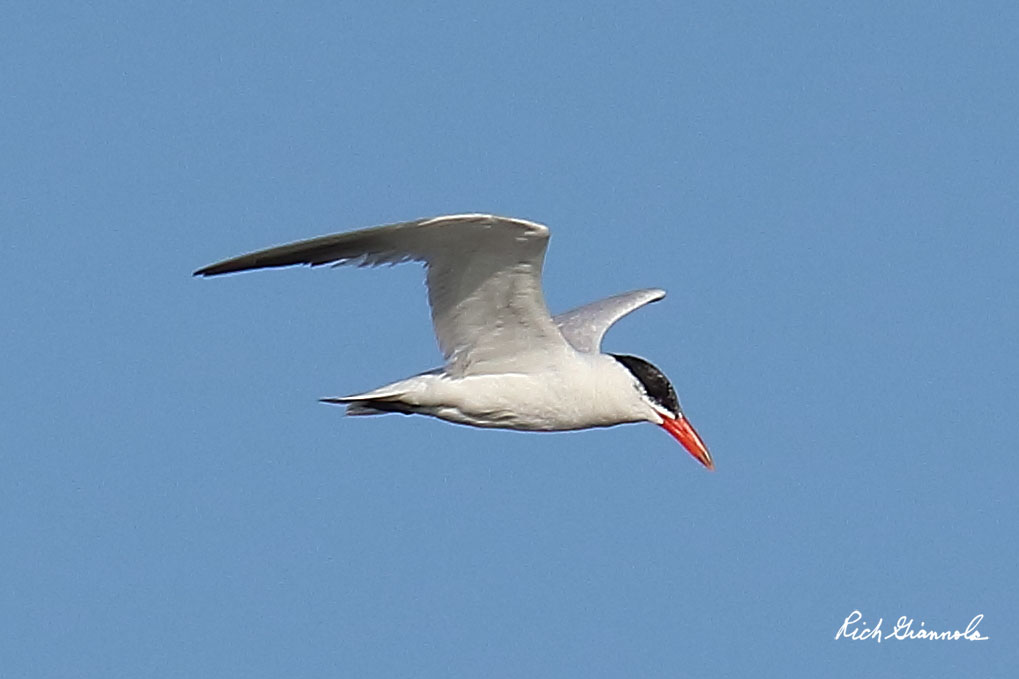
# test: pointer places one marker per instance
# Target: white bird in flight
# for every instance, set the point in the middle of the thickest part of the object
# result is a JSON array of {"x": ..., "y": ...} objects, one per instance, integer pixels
[{"x": 509, "y": 363}]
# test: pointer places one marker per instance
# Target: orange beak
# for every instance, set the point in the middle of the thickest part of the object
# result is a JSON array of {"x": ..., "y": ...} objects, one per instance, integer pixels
[{"x": 683, "y": 432}]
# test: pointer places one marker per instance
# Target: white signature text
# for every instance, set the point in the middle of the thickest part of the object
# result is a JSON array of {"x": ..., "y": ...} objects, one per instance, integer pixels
[{"x": 854, "y": 627}]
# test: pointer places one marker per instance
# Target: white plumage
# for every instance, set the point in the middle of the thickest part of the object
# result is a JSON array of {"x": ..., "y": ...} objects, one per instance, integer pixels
[{"x": 508, "y": 363}]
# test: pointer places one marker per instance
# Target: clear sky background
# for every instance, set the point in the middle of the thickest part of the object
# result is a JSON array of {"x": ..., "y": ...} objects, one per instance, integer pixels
[{"x": 829, "y": 193}]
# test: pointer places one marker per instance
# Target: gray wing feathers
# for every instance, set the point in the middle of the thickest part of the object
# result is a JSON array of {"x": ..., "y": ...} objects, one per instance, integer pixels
[
  {"x": 585, "y": 326},
  {"x": 484, "y": 281},
  {"x": 389, "y": 244}
]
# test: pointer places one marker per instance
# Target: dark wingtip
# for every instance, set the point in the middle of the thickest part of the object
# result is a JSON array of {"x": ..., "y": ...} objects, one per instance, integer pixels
[
  {"x": 249, "y": 262},
  {"x": 207, "y": 271},
  {"x": 229, "y": 266}
]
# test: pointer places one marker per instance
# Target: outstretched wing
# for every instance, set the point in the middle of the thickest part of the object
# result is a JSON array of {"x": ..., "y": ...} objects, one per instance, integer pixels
[
  {"x": 483, "y": 275},
  {"x": 585, "y": 326}
]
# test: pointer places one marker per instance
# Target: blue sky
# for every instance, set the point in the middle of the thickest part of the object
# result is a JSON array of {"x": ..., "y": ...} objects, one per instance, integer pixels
[{"x": 827, "y": 192}]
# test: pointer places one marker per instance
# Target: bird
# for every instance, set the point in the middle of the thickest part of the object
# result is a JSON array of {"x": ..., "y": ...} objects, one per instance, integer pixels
[{"x": 509, "y": 364}]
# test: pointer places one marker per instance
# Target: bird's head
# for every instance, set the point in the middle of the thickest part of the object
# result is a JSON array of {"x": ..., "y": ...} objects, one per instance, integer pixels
[{"x": 657, "y": 391}]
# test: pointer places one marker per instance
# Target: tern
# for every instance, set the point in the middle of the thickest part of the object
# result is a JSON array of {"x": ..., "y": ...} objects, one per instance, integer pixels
[{"x": 509, "y": 364}]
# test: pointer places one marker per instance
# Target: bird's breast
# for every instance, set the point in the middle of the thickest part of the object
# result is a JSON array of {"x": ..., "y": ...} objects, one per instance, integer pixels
[{"x": 576, "y": 397}]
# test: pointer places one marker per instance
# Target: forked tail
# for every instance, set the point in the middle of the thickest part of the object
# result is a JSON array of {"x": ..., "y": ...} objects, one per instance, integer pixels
[
  {"x": 404, "y": 397},
  {"x": 358, "y": 405}
]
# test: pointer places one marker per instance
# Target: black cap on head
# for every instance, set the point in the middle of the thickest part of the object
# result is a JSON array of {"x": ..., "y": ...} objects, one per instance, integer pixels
[{"x": 656, "y": 385}]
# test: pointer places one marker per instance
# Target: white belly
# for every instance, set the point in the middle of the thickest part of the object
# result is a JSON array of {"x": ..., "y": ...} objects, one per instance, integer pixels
[{"x": 591, "y": 392}]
